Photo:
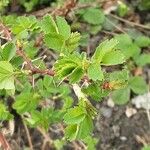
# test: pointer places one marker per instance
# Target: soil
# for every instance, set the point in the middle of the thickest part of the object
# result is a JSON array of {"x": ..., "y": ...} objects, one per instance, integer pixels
[{"x": 118, "y": 132}]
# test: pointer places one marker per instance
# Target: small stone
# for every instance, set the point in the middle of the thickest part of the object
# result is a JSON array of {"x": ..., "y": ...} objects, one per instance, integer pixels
[
  {"x": 123, "y": 138},
  {"x": 106, "y": 112},
  {"x": 130, "y": 112},
  {"x": 110, "y": 103},
  {"x": 142, "y": 101},
  {"x": 116, "y": 130}
]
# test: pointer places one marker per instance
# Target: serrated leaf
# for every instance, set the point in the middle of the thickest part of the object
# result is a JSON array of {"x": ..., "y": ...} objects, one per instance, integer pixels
[
  {"x": 91, "y": 142},
  {"x": 23, "y": 24},
  {"x": 94, "y": 16},
  {"x": 47, "y": 81},
  {"x": 76, "y": 75},
  {"x": 63, "y": 27},
  {"x": 85, "y": 128},
  {"x": 4, "y": 113},
  {"x": 71, "y": 132},
  {"x": 26, "y": 102},
  {"x": 121, "y": 96},
  {"x": 48, "y": 25},
  {"x": 119, "y": 75},
  {"x": 8, "y": 51},
  {"x": 94, "y": 72},
  {"x": 143, "y": 59},
  {"x": 131, "y": 50},
  {"x": 103, "y": 48},
  {"x": 67, "y": 64},
  {"x": 72, "y": 43},
  {"x": 126, "y": 46},
  {"x": 146, "y": 147},
  {"x": 138, "y": 85},
  {"x": 54, "y": 41},
  {"x": 123, "y": 39},
  {"x": 95, "y": 92},
  {"x": 6, "y": 76},
  {"x": 142, "y": 41},
  {"x": 65, "y": 71},
  {"x": 74, "y": 115},
  {"x": 113, "y": 58}
]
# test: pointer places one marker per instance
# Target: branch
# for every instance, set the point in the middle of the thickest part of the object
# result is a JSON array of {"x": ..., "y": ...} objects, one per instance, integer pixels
[
  {"x": 28, "y": 135},
  {"x": 68, "y": 6},
  {"x": 4, "y": 142},
  {"x": 33, "y": 69},
  {"x": 5, "y": 32},
  {"x": 130, "y": 23}
]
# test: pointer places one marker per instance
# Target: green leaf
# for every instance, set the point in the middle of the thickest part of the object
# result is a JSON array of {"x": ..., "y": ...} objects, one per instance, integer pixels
[
  {"x": 30, "y": 49},
  {"x": 138, "y": 85},
  {"x": 48, "y": 25},
  {"x": 85, "y": 128},
  {"x": 74, "y": 115},
  {"x": 94, "y": 16},
  {"x": 71, "y": 132},
  {"x": 79, "y": 131},
  {"x": 143, "y": 59},
  {"x": 44, "y": 117},
  {"x": 90, "y": 142},
  {"x": 113, "y": 58},
  {"x": 76, "y": 75},
  {"x": 23, "y": 24},
  {"x": 123, "y": 39},
  {"x": 131, "y": 51},
  {"x": 63, "y": 27},
  {"x": 94, "y": 72},
  {"x": 26, "y": 102},
  {"x": 103, "y": 48},
  {"x": 142, "y": 41},
  {"x": 122, "y": 9},
  {"x": 4, "y": 113},
  {"x": 65, "y": 71},
  {"x": 6, "y": 76},
  {"x": 119, "y": 75},
  {"x": 47, "y": 81},
  {"x": 67, "y": 64},
  {"x": 95, "y": 92},
  {"x": 72, "y": 43},
  {"x": 126, "y": 46},
  {"x": 54, "y": 41},
  {"x": 121, "y": 96},
  {"x": 146, "y": 147},
  {"x": 8, "y": 51}
]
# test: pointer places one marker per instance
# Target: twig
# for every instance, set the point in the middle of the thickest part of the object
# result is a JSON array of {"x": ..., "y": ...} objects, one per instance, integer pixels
[
  {"x": 28, "y": 136},
  {"x": 47, "y": 138},
  {"x": 4, "y": 142},
  {"x": 129, "y": 22},
  {"x": 110, "y": 33},
  {"x": 116, "y": 26},
  {"x": 148, "y": 115},
  {"x": 28, "y": 62},
  {"x": 33, "y": 69},
  {"x": 61, "y": 11},
  {"x": 140, "y": 140},
  {"x": 5, "y": 31}
]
